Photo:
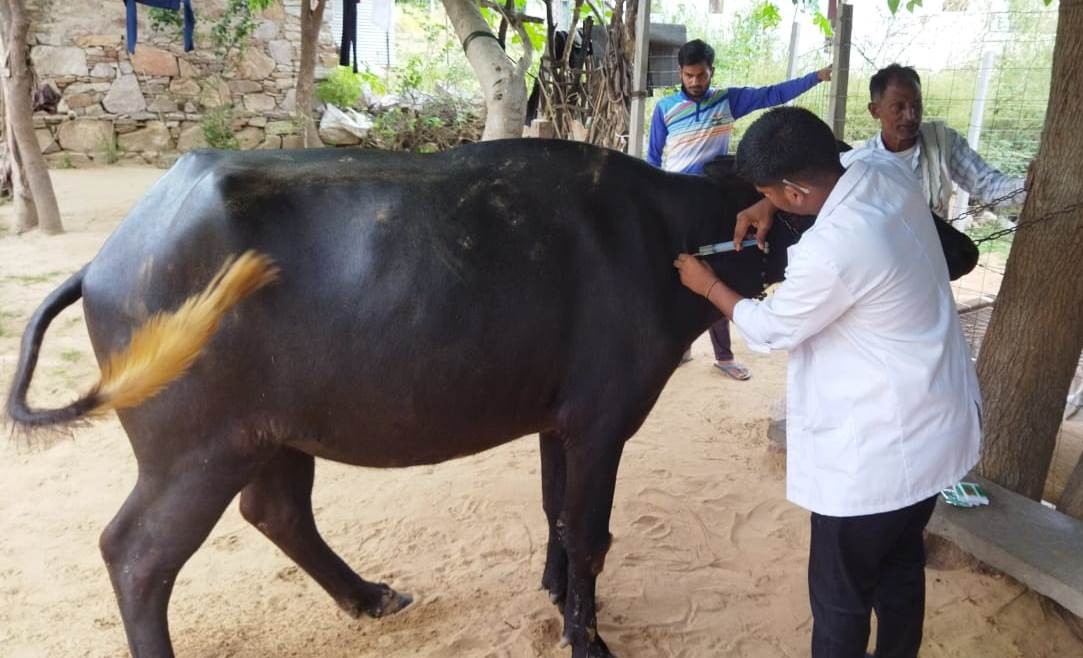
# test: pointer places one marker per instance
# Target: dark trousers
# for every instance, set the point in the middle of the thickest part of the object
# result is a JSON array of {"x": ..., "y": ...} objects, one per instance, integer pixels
[
  {"x": 862, "y": 563},
  {"x": 720, "y": 339}
]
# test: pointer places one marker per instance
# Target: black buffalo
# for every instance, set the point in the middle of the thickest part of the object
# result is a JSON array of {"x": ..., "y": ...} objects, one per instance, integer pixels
[{"x": 426, "y": 307}]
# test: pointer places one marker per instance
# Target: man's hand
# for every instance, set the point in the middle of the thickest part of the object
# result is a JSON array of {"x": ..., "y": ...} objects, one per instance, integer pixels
[
  {"x": 760, "y": 216},
  {"x": 824, "y": 74},
  {"x": 694, "y": 274}
]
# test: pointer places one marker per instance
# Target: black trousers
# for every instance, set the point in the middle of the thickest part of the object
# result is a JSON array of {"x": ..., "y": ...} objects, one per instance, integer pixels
[{"x": 862, "y": 563}]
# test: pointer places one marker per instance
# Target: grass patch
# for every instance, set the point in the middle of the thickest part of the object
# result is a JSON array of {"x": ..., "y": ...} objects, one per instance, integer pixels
[{"x": 71, "y": 356}]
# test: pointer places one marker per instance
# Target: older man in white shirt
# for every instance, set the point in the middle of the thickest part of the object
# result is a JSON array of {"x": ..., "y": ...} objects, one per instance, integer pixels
[{"x": 884, "y": 409}]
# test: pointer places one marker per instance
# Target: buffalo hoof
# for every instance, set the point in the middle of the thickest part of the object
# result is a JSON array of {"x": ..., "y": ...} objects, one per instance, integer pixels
[
  {"x": 556, "y": 594},
  {"x": 390, "y": 602},
  {"x": 596, "y": 648},
  {"x": 380, "y": 602}
]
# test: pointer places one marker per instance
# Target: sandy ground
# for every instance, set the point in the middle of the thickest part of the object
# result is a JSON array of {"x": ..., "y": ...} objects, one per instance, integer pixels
[{"x": 708, "y": 559}]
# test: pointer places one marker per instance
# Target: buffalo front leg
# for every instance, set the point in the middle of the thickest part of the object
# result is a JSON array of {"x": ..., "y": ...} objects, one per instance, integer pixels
[
  {"x": 278, "y": 502},
  {"x": 588, "y": 501},
  {"x": 553, "y": 472},
  {"x": 171, "y": 510}
]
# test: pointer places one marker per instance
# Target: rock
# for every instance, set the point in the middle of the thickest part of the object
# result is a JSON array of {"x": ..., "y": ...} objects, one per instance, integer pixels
[
  {"x": 46, "y": 141},
  {"x": 84, "y": 87},
  {"x": 125, "y": 126},
  {"x": 185, "y": 88},
  {"x": 267, "y": 30},
  {"x": 187, "y": 69},
  {"x": 281, "y": 51},
  {"x": 250, "y": 137},
  {"x": 245, "y": 86},
  {"x": 275, "y": 12},
  {"x": 55, "y": 37},
  {"x": 103, "y": 70},
  {"x": 65, "y": 160},
  {"x": 58, "y": 60},
  {"x": 99, "y": 40},
  {"x": 259, "y": 103},
  {"x": 166, "y": 160},
  {"x": 125, "y": 97},
  {"x": 293, "y": 142},
  {"x": 76, "y": 101},
  {"x": 255, "y": 65},
  {"x": 272, "y": 142},
  {"x": 85, "y": 135},
  {"x": 153, "y": 138},
  {"x": 281, "y": 128},
  {"x": 125, "y": 67},
  {"x": 163, "y": 104},
  {"x": 148, "y": 60},
  {"x": 215, "y": 93},
  {"x": 191, "y": 137},
  {"x": 290, "y": 102}
]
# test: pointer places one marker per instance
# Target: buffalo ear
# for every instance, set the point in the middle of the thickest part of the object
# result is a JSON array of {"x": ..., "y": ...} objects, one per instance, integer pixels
[{"x": 722, "y": 169}]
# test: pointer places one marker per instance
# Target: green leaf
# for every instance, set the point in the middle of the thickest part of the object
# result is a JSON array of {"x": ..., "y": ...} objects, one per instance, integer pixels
[
  {"x": 821, "y": 21},
  {"x": 893, "y": 5},
  {"x": 911, "y": 4},
  {"x": 536, "y": 32}
]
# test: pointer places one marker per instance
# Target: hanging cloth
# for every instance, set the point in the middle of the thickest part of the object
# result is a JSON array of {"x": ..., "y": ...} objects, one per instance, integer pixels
[
  {"x": 173, "y": 5},
  {"x": 349, "y": 34}
]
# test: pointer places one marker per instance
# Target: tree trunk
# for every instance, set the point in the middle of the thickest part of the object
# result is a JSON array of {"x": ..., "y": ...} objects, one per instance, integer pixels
[
  {"x": 38, "y": 207},
  {"x": 311, "y": 20},
  {"x": 503, "y": 82},
  {"x": 1036, "y": 332}
]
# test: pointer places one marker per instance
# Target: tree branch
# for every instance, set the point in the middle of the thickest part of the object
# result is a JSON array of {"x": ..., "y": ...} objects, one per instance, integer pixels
[{"x": 517, "y": 20}]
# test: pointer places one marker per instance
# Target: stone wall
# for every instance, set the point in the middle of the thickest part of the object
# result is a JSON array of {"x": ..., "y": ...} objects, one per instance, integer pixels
[{"x": 148, "y": 107}]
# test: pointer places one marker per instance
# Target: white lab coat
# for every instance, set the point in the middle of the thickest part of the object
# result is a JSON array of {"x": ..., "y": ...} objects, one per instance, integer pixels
[{"x": 883, "y": 403}]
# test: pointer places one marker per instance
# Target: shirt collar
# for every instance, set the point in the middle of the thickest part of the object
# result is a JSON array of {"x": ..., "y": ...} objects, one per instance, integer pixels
[{"x": 707, "y": 94}]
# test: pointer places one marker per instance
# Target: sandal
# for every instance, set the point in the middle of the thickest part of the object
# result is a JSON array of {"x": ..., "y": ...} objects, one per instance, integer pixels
[{"x": 733, "y": 369}]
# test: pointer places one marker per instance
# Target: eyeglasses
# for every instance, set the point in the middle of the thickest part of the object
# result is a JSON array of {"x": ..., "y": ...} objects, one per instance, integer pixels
[{"x": 799, "y": 188}]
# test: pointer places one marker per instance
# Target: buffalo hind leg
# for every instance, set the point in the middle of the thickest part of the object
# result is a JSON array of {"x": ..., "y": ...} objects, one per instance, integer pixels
[
  {"x": 588, "y": 501},
  {"x": 553, "y": 472},
  {"x": 278, "y": 501},
  {"x": 173, "y": 507}
]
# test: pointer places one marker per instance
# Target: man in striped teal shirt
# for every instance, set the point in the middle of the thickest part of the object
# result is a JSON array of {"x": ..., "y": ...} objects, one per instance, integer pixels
[{"x": 692, "y": 127}]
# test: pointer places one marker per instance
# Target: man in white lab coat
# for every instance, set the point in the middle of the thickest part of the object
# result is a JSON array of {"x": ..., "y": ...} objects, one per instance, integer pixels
[{"x": 883, "y": 403}]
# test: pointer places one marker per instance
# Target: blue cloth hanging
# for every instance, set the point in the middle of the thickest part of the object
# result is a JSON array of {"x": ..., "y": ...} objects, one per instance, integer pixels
[
  {"x": 173, "y": 5},
  {"x": 349, "y": 34}
]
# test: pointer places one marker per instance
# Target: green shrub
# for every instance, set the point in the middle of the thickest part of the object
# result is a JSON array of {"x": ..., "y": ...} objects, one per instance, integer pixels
[
  {"x": 342, "y": 88},
  {"x": 217, "y": 127}
]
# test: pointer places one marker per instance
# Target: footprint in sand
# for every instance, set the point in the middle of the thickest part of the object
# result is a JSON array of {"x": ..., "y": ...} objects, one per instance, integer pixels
[
  {"x": 228, "y": 543},
  {"x": 653, "y": 527}
]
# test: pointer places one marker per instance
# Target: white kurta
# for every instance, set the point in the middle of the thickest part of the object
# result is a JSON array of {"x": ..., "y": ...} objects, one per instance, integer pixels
[{"x": 883, "y": 402}]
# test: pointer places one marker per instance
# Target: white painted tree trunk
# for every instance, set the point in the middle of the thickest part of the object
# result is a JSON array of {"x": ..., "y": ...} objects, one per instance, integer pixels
[{"x": 503, "y": 82}]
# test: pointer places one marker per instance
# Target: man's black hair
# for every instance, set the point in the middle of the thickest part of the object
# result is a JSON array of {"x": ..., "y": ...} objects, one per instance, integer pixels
[
  {"x": 892, "y": 73},
  {"x": 787, "y": 142},
  {"x": 695, "y": 52}
]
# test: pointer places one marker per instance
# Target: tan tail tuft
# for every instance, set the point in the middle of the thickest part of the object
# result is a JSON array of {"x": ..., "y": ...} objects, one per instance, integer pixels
[{"x": 166, "y": 345}]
